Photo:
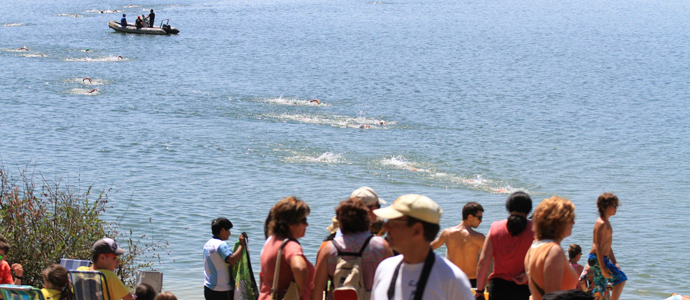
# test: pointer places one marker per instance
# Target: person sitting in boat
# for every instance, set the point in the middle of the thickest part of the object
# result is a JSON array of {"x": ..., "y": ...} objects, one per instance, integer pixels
[
  {"x": 123, "y": 21},
  {"x": 146, "y": 20},
  {"x": 139, "y": 23}
]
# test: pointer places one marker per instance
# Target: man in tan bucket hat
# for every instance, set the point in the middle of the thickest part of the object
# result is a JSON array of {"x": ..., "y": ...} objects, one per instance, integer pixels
[{"x": 418, "y": 273}]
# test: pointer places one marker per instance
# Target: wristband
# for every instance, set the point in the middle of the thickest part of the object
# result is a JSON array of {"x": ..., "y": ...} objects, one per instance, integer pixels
[{"x": 19, "y": 277}]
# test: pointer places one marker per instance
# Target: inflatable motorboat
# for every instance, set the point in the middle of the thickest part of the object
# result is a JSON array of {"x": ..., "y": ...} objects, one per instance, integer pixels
[{"x": 163, "y": 29}]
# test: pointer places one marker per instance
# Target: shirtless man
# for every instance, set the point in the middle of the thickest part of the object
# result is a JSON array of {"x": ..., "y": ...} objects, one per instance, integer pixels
[
  {"x": 463, "y": 243},
  {"x": 601, "y": 259}
]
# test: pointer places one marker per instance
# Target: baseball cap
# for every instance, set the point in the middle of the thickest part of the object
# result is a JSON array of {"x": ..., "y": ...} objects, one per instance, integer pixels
[
  {"x": 368, "y": 196},
  {"x": 412, "y": 205},
  {"x": 107, "y": 245}
]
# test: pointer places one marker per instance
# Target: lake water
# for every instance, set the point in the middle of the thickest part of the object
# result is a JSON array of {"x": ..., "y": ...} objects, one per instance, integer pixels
[{"x": 479, "y": 98}]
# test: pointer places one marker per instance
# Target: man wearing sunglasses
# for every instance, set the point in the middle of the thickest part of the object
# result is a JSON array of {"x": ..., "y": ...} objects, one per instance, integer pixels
[
  {"x": 5, "y": 270},
  {"x": 463, "y": 243},
  {"x": 105, "y": 255}
]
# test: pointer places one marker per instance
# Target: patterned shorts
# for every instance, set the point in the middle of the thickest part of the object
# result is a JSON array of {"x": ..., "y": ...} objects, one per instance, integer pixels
[{"x": 599, "y": 280}]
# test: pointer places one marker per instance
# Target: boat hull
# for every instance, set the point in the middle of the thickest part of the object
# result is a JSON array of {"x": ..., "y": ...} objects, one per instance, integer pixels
[{"x": 157, "y": 30}]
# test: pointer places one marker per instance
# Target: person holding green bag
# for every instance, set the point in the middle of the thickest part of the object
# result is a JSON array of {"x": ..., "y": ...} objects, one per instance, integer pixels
[{"x": 218, "y": 258}]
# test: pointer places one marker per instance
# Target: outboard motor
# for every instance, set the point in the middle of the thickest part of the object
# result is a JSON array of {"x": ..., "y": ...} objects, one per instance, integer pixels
[{"x": 166, "y": 27}]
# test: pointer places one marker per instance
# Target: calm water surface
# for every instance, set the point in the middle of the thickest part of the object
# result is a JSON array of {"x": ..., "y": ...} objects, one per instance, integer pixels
[{"x": 479, "y": 98}]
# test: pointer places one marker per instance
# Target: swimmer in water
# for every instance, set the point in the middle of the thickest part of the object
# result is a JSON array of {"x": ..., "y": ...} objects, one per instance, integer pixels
[
  {"x": 87, "y": 78},
  {"x": 93, "y": 91},
  {"x": 382, "y": 123},
  {"x": 119, "y": 57},
  {"x": 23, "y": 48},
  {"x": 315, "y": 100},
  {"x": 364, "y": 126}
]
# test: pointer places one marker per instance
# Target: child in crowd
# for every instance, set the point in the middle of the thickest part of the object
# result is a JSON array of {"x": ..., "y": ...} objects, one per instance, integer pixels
[
  {"x": 587, "y": 284},
  {"x": 56, "y": 285},
  {"x": 574, "y": 254},
  {"x": 144, "y": 292},
  {"x": 601, "y": 259},
  {"x": 5, "y": 270},
  {"x": 166, "y": 296}
]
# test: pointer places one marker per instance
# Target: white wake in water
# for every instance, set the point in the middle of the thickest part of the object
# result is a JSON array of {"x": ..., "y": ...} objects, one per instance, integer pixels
[
  {"x": 88, "y": 92},
  {"x": 84, "y": 81},
  {"x": 99, "y": 59},
  {"x": 69, "y": 15},
  {"x": 333, "y": 120},
  {"x": 475, "y": 182},
  {"x": 292, "y": 101},
  {"x": 13, "y": 24},
  {"x": 103, "y": 11},
  {"x": 326, "y": 157}
]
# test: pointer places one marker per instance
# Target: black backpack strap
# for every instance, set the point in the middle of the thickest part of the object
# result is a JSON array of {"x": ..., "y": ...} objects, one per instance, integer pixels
[
  {"x": 357, "y": 254},
  {"x": 423, "y": 278},
  {"x": 282, "y": 246},
  {"x": 391, "y": 287},
  {"x": 364, "y": 246}
]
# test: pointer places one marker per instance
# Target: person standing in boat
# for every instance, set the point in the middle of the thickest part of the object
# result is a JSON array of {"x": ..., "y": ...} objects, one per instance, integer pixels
[
  {"x": 123, "y": 21},
  {"x": 152, "y": 17}
]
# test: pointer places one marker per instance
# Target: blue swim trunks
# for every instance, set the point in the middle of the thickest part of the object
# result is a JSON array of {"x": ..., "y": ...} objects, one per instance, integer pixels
[{"x": 599, "y": 280}]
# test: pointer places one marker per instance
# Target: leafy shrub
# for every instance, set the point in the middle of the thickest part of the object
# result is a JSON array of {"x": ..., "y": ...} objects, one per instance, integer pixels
[{"x": 54, "y": 221}]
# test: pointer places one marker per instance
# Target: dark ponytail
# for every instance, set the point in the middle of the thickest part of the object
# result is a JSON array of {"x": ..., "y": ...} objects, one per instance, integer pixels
[{"x": 518, "y": 202}]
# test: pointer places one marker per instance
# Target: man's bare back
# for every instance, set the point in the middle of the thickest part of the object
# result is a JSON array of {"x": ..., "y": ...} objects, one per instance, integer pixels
[{"x": 463, "y": 247}]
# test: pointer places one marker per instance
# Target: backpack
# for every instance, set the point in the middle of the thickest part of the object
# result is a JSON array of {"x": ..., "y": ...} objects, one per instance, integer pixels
[{"x": 347, "y": 278}]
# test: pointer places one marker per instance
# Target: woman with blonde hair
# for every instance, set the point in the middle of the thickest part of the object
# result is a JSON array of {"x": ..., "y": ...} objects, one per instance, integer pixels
[
  {"x": 548, "y": 270},
  {"x": 287, "y": 223}
]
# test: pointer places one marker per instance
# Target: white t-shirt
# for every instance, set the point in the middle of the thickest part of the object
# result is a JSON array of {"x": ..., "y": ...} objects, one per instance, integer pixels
[{"x": 446, "y": 281}]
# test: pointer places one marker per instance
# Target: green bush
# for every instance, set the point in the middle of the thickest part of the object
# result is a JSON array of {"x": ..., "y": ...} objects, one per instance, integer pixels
[{"x": 54, "y": 221}]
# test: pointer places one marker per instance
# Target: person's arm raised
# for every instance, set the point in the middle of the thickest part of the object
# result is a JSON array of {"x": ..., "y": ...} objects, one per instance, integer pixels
[{"x": 235, "y": 257}]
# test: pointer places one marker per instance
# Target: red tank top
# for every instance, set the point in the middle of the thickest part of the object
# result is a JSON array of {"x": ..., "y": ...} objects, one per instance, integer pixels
[{"x": 509, "y": 251}]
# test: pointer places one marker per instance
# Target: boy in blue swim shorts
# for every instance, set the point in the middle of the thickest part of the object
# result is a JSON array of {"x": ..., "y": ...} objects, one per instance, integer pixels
[{"x": 601, "y": 259}]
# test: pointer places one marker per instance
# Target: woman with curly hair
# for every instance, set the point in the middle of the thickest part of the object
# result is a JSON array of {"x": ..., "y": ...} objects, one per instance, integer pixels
[
  {"x": 548, "y": 270},
  {"x": 353, "y": 221},
  {"x": 286, "y": 224}
]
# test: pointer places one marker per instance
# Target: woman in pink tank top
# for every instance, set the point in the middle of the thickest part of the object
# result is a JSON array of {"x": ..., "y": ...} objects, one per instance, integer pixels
[
  {"x": 287, "y": 221},
  {"x": 507, "y": 244},
  {"x": 547, "y": 268}
]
